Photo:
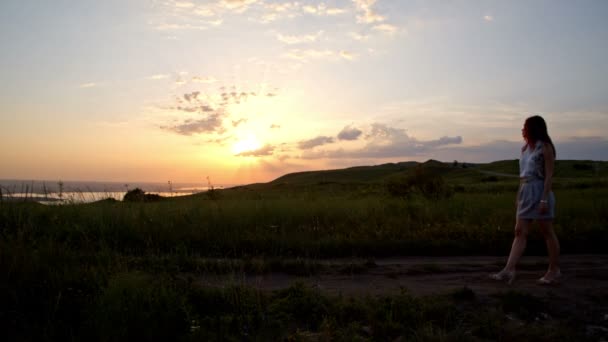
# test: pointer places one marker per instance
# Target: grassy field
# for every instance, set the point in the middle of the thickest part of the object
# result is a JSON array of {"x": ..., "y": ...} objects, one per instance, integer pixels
[{"x": 116, "y": 270}]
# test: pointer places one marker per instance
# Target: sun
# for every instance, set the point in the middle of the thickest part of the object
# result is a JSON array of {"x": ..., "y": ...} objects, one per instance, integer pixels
[{"x": 250, "y": 143}]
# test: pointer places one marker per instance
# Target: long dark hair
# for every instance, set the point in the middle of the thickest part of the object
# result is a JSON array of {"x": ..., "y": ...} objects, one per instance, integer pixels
[{"x": 536, "y": 130}]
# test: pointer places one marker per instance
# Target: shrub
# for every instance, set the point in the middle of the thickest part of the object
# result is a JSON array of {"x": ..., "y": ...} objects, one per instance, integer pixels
[
  {"x": 429, "y": 184},
  {"x": 135, "y": 195},
  {"x": 138, "y": 195}
]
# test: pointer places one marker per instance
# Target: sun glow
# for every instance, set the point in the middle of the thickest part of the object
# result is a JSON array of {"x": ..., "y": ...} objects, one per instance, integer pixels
[{"x": 250, "y": 143}]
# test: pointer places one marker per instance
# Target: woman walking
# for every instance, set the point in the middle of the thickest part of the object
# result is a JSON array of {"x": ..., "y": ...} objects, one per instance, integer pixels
[{"x": 535, "y": 200}]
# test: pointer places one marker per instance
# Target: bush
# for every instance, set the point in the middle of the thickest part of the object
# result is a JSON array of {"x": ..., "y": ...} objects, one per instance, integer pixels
[
  {"x": 135, "y": 195},
  {"x": 428, "y": 184},
  {"x": 138, "y": 195}
]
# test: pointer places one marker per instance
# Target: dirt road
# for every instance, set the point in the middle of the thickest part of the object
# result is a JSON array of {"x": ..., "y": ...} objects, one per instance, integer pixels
[{"x": 584, "y": 281}]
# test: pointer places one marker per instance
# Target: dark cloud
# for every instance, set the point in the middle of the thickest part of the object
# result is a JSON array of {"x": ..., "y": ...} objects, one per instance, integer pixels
[
  {"x": 349, "y": 133},
  {"x": 213, "y": 111},
  {"x": 318, "y": 141},
  {"x": 443, "y": 141},
  {"x": 194, "y": 109},
  {"x": 209, "y": 124},
  {"x": 589, "y": 148},
  {"x": 236, "y": 123},
  {"x": 192, "y": 96},
  {"x": 273, "y": 126},
  {"x": 448, "y": 149},
  {"x": 387, "y": 142},
  {"x": 593, "y": 148},
  {"x": 260, "y": 152}
]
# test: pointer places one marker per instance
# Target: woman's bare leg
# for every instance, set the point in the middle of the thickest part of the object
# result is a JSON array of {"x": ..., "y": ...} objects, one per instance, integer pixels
[
  {"x": 546, "y": 227},
  {"x": 519, "y": 244}
]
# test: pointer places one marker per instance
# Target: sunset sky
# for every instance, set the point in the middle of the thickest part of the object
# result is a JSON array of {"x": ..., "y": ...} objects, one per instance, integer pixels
[{"x": 244, "y": 91}]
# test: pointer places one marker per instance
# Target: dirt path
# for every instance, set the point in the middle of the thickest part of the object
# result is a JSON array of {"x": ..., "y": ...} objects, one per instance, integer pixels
[{"x": 584, "y": 282}]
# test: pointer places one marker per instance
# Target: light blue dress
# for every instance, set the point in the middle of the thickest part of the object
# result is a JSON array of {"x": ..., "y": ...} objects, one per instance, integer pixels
[{"x": 532, "y": 174}]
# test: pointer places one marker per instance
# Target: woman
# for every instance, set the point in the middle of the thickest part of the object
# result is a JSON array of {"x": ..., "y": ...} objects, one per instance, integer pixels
[{"x": 535, "y": 200}]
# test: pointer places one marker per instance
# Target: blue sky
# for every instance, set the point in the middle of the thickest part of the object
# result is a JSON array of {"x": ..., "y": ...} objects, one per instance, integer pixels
[{"x": 247, "y": 90}]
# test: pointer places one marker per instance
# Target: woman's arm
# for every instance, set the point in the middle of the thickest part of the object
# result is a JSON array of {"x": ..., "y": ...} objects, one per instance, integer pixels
[{"x": 549, "y": 166}]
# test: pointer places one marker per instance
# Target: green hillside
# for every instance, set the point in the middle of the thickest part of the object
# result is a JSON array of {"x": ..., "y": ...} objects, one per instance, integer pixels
[
  {"x": 466, "y": 174},
  {"x": 357, "y": 174}
]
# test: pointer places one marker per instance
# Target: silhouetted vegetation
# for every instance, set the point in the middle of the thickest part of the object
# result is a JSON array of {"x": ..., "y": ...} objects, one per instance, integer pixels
[
  {"x": 113, "y": 271},
  {"x": 423, "y": 181},
  {"x": 138, "y": 195}
]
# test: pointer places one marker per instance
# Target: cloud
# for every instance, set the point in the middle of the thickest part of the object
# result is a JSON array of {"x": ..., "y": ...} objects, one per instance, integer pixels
[
  {"x": 294, "y": 39},
  {"x": 238, "y": 6},
  {"x": 367, "y": 14},
  {"x": 207, "y": 80},
  {"x": 210, "y": 124},
  {"x": 158, "y": 77},
  {"x": 262, "y": 151},
  {"x": 236, "y": 123},
  {"x": 385, "y": 28},
  {"x": 194, "y": 109},
  {"x": 318, "y": 141},
  {"x": 88, "y": 85},
  {"x": 275, "y": 126},
  {"x": 359, "y": 36},
  {"x": 349, "y": 133},
  {"x": 335, "y": 11},
  {"x": 322, "y": 9},
  {"x": 192, "y": 96},
  {"x": 278, "y": 10},
  {"x": 177, "y": 27},
  {"x": 208, "y": 113},
  {"x": 347, "y": 55},
  {"x": 307, "y": 55},
  {"x": 488, "y": 18},
  {"x": 183, "y": 4},
  {"x": 387, "y": 142}
]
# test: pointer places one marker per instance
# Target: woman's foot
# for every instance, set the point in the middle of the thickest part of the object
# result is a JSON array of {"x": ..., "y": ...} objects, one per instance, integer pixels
[
  {"x": 504, "y": 275},
  {"x": 550, "y": 278}
]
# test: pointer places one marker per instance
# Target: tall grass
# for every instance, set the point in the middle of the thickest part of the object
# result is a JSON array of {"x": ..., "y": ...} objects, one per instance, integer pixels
[
  {"x": 467, "y": 223},
  {"x": 115, "y": 271}
]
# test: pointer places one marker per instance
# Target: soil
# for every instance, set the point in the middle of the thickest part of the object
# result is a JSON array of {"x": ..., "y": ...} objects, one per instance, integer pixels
[{"x": 583, "y": 286}]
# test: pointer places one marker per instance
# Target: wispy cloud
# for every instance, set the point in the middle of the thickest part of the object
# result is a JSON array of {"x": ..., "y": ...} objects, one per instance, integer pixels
[
  {"x": 386, "y": 142},
  {"x": 209, "y": 112},
  {"x": 367, "y": 14},
  {"x": 359, "y": 36},
  {"x": 238, "y": 6},
  {"x": 262, "y": 151},
  {"x": 322, "y": 9},
  {"x": 299, "y": 39},
  {"x": 158, "y": 77},
  {"x": 318, "y": 141},
  {"x": 88, "y": 85},
  {"x": 184, "y": 4},
  {"x": 385, "y": 28},
  {"x": 349, "y": 133},
  {"x": 236, "y": 123},
  {"x": 307, "y": 55},
  {"x": 347, "y": 55},
  {"x": 209, "y": 124},
  {"x": 199, "y": 79}
]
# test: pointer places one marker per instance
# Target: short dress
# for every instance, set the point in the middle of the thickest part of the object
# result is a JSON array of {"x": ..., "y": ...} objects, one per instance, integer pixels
[{"x": 532, "y": 175}]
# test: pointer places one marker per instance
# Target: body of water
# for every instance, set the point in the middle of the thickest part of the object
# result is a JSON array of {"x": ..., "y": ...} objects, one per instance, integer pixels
[{"x": 55, "y": 192}]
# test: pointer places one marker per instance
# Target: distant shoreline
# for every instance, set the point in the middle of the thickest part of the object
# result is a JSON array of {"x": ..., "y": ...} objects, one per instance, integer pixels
[{"x": 45, "y": 187}]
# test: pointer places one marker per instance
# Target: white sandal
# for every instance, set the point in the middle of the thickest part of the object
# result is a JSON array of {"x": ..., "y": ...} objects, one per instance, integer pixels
[{"x": 508, "y": 276}]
